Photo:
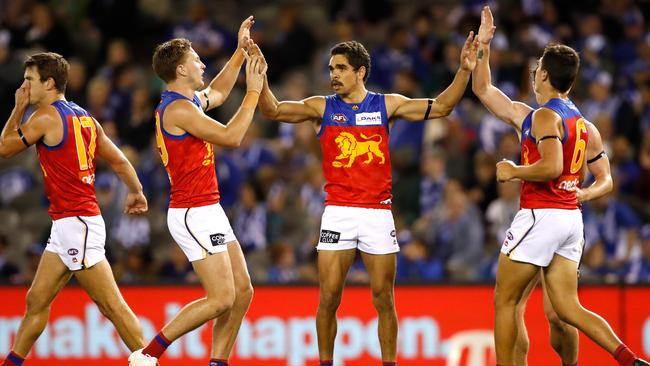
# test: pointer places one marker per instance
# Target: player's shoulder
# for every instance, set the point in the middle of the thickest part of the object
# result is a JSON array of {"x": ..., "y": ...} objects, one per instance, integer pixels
[
  {"x": 547, "y": 114},
  {"x": 45, "y": 115},
  {"x": 180, "y": 107}
]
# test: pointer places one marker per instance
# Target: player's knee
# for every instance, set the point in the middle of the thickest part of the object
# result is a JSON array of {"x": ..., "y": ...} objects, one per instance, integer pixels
[
  {"x": 330, "y": 300},
  {"x": 244, "y": 294},
  {"x": 383, "y": 300},
  {"x": 505, "y": 299},
  {"x": 111, "y": 308},
  {"x": 35, "y": 303},
  {"x": 218, "y": 306}
]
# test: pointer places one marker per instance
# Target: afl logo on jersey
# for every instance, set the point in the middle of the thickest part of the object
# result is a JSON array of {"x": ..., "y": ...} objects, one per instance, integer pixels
[{"x": 339, "y": 118}]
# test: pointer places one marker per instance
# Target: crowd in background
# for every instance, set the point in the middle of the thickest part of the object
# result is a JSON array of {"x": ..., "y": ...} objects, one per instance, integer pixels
[{"x": 450, "y": 213}]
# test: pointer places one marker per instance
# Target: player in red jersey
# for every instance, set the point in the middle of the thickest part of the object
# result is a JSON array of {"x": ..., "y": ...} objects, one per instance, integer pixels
[
  {"x": 352, "y": 126},
  {"x": 67, "y": 139},
  {"x": 564, "y": 338},
  {"x": 197, "y": 222},
  {"x": 547, "y": 232}
]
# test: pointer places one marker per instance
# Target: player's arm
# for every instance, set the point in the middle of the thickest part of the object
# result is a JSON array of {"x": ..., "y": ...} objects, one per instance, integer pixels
[
  {"x": 16, "y": 138},
  {"x": 219, "y": 88},
  {"x": 420, "y": 109},
  {"x": 188, "y": 117},
  {"x": 308, "y": 109},
  {"x": 598, "y": 165},
  {"x": 546, "y": 127},
  {"x": 492, "y": 98},
  {"x": 136, "y": 203}
]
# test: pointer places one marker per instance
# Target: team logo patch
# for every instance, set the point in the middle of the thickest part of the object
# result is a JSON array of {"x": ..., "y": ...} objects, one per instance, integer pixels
[
  {"x": 355, "y": 107},
  {"x": 73, "y": 251},
  {"x": 339, "y": 118},
  {"x": 329, "y": 236},
  {"x": 218, "y": 239},
  {"x": 368, "y": 118}
]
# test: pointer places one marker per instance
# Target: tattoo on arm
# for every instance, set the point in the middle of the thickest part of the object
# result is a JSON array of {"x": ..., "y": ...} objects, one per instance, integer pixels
[{"x": 480, "y": 54}]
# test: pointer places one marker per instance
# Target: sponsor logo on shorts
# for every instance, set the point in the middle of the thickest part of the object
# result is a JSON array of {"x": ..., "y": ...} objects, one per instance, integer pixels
[
  {"x": 329, "y": 237},
  {"x": 387, "y": 201},
  {"x": 74, "y": 260},
  {"x": 509, "y": 235},
  {"x": 339, "y": 118},
  {"x": 218, "y": 239},
  {"x": 73, "y": 251}
]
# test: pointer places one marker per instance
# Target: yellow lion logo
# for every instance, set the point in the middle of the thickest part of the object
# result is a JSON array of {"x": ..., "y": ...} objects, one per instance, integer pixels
[{"x": 350, "y": 148}]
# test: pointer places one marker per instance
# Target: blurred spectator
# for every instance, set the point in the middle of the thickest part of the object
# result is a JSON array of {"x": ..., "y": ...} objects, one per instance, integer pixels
[
  {"x": 483, "y": 187},
  {"x": 397, "y": 55},
  {"x": 45, "y": 33},
  {"x": 11, "y": 74},
  {"x": 294, "y": 44},
  {"x": 283, "y": 264},
  {"x": 176, "y": 267},
  {"x": 434, "y": 180},
  {"x": 208, "y": 39},
  {"x": 639, "y": 270},
  {"x": 8, "y": 270},
  {"x": 453, "y": 231},
  {"x": 140, "y": 123},
  {"x": 250, "y": 222},
  {"x": 32, "y": 259},
  {"x": 136, "y": 266},
  {"x": 77, "y": 81},
  {"x": 611, "y": 232}
]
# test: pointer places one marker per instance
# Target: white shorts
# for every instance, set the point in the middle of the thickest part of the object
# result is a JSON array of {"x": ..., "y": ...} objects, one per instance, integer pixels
[
  {"x": 369, "y": 229},
  {"x": 78, "y": 240},
  {"x": 200, "y": 231},
  {"x": 536, "y": 235}
]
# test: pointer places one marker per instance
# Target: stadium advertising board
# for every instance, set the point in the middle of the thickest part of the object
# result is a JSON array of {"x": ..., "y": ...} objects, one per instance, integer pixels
[{"x": 446, "y": 326}]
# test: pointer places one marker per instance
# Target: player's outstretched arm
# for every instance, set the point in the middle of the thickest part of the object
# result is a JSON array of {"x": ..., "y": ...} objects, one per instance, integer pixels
[
  {"x": 492, "y": 98},
  {"x": 420, "y": 109},
  {"x": 136, "y": 203},
  {"x": 308, "y": 109},
  {"x": 598, "y": 165},
  {"x": 221, "y": 86},
  {"x": 546, "y": 129},
  {"x": 16, "y": 138},
  {"x": 188, "y": 117}
]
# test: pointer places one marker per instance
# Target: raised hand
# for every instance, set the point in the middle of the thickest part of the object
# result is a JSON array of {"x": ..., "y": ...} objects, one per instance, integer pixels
[
  {"x": 254, "y": 72},
  {"x": 22, "y": 96},
  {"x": 487, "y": 28},
  {"x": 255, "y": 50},
  {"x": 136, "y": 203},
  {"x": 468, "y": 53},
  {"x": 244, "y": 34}
]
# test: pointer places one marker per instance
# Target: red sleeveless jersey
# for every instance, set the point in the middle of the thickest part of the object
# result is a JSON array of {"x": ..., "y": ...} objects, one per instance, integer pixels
[
  {"x": 356, "y": 160},
  {"x": 69, "y": 167},
  {"x": 189, "y": 161},
  {"x": 559, "y": 192}
]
